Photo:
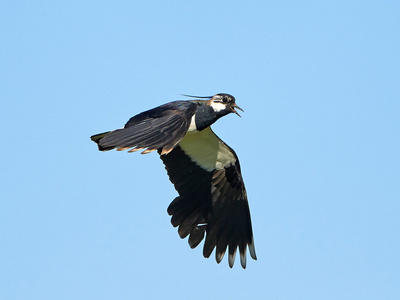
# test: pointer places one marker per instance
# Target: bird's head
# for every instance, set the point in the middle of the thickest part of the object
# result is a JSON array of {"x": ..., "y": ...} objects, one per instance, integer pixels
[{"x": 224, "y": 104}]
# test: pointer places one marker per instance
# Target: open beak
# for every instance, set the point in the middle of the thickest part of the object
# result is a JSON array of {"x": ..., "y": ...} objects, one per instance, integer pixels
[{"x": 234, "y": 110}]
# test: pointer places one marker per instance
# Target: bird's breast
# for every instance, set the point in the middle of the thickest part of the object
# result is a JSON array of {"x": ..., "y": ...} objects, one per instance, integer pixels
[{"x": 207, "y": 150}]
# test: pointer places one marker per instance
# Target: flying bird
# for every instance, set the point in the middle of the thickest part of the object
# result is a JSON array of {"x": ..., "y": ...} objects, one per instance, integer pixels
[{"x": 205, "y": 171}]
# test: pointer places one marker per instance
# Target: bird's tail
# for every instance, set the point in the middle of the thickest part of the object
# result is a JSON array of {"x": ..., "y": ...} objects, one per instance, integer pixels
[{"x": 97, "y": 137}]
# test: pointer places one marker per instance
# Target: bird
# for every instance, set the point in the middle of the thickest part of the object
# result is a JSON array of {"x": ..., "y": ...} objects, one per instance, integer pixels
[{"x": 205, "y": 171}]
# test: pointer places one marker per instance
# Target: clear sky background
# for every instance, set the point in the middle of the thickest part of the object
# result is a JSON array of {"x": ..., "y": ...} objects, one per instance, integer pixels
[{"x": 318, "y": 143}]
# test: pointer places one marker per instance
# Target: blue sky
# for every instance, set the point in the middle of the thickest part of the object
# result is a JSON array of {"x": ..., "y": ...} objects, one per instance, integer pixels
[{"x": 318, "y": 144}]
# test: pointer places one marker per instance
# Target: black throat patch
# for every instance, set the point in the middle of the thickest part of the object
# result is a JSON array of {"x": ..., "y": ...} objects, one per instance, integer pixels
[{"x": 205, "y": 116}]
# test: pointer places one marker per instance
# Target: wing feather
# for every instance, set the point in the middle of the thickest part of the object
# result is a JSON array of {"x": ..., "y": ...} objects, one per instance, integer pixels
[
  {"x": 159, "y": 128},
  {"x": 211, "y": 202}
]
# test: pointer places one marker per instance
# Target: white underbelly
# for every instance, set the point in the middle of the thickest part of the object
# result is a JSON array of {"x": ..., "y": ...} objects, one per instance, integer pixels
[{"x": 207, "y": 150}]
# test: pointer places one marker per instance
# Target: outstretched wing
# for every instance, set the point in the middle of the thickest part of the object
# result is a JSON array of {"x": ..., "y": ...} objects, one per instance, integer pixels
[
  {"x": 159, "y": 128},
  {"x": 212, "y": 198}
]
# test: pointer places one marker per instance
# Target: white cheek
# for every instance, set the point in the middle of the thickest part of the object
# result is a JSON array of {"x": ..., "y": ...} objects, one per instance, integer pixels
[{"x": 218, "y": 106}]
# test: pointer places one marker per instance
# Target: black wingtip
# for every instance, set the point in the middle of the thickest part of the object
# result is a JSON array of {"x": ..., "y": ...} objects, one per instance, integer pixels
[{"x": 97, "y": 138}]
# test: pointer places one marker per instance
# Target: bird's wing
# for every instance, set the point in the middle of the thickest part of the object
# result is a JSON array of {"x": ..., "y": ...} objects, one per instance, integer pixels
[
  {"x": 212, "y": 198},
  {"x": 159, "y": 128}
]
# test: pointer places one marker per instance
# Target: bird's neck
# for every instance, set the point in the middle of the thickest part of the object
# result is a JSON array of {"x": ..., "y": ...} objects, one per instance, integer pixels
[{"x": 206, "y": 115}]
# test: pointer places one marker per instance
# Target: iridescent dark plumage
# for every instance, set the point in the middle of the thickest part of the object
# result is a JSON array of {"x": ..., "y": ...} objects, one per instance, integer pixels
[{"x": 212, "y": 199}]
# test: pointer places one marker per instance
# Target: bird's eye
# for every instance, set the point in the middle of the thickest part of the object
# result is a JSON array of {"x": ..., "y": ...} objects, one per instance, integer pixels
[{"x": 224, "y": 99}]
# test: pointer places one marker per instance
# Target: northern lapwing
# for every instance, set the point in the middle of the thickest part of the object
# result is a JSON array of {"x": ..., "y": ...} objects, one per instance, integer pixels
[{"x": 205, "y": 171}]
